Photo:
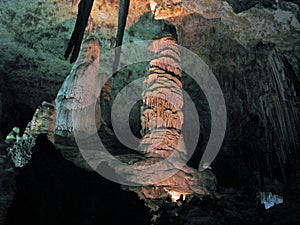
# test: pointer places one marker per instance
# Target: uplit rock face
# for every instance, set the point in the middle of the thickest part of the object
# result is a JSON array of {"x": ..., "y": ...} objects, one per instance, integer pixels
[
  {"x": 242, "y": 5},
  {"x": 162, "y": 118},
  {"x": 79, "y": 93},
  {"x": 173, "y": 8},
  {"x": 254, "y": 55},
  {"x": 184, "y": 185},
  {"x": 279, "y": 26}
]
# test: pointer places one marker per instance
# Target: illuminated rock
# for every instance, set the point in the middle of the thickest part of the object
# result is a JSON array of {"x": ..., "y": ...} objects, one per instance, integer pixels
[
  {"x": 78, "y": 92},
  {"x": 13, "y": 136},
  {"x": 162, "y": 118},
  {"x": 162, "y": 121},
  {"x": 42, "y": 122}
]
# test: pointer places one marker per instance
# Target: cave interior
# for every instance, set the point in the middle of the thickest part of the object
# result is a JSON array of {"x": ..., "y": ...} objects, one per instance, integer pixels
[{"x": 95, "y": 93}]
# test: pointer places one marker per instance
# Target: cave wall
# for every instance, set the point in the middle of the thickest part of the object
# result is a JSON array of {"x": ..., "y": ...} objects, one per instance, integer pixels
[
  {"x": 257, "y": 67},
  {"x": 242, "y": 5},
  {"x": 33, "y": 36}
]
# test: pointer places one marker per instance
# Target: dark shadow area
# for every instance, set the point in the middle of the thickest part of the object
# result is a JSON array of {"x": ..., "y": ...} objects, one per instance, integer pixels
[
  {"x": 53, "y": 191},
  {"x": 11, "y": 113}
]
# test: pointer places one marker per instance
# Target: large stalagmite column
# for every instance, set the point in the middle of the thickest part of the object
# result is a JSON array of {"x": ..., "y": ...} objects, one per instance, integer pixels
[
  {"x": 162, "y": 121},
  {"x": 78, "y": 93},
  {"x": 162, "y": 118}
]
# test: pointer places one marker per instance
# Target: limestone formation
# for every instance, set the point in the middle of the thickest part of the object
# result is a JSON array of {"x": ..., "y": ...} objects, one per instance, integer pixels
[
  {"x": 162, "y": 121},
  {"x": 162, "y": 118},
  {"x": 43, "y": 122},
  {"x": 80, "y": 90},
  {"x": 253, "y": 54}
]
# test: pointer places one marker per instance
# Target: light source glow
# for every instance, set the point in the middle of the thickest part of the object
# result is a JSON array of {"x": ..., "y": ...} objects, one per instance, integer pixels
[{"x": 175, "y": 195}]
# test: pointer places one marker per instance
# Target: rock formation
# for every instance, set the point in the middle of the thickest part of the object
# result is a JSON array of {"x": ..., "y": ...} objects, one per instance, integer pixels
[
  {"x": 43, "y": 122},
  {"x": 162, "y": 121},
  {"x": 79, "y": 92},
  {"x": 162, "y": 117}
]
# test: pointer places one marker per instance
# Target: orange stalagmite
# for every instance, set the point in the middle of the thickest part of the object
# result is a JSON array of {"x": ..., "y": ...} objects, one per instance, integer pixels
[{"x": 162, "y": 118}]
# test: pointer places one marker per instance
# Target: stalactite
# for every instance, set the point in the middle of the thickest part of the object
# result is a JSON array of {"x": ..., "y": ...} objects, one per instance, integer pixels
[
  {"x": 84, "y": 10},
  {"x": 122, "y": 17}
]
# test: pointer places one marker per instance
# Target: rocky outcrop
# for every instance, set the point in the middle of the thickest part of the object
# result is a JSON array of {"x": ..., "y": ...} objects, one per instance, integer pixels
[
  {"x": 243, "y": 5},
  {"x": 245, "y": 52},
  {"x": 255, "y": 56},
  {"x": 43, "y": 122},
  {"x": 279, "y": 26},
  {"x": 79, "y": 93}
]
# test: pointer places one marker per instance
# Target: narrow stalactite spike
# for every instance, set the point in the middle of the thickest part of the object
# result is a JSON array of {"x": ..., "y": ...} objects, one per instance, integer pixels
[{"x": 122, "y": 17}]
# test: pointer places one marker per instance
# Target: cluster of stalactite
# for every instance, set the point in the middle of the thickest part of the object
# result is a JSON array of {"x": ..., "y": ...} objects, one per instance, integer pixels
[
  {"x": 280, "y": 112},
  {"x": 162, "y": 100}
]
